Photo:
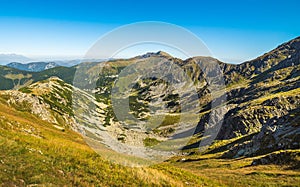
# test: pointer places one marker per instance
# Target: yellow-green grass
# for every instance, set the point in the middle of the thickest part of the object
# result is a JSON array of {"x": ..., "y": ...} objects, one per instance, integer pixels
[
  {"x": 279, "y": 94},
  {"x": 32, "y": 151},
  {"x": 238, "y": 172},
  {"x": 17, "y": 76}
]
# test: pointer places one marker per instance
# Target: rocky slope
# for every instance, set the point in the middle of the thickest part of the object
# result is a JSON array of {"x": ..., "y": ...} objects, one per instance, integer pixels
[
  {"x": 266, "y": 102},
  {"x": 259, "y": 99},
  {"x": 49, "y": 100},
  {"x": 262, "y": 98}
]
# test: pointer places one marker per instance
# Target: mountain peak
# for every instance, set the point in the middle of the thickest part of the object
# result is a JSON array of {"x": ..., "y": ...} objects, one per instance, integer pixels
[
  {"x": 283, "y": 56},
  {"x": 155, "y": 54},
  {"x": 294, "y": 43},
  {"x": 162, "y": 53}
]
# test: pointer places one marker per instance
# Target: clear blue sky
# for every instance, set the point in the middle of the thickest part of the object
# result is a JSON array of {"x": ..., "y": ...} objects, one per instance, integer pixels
[{"x": 233, "y": 30}]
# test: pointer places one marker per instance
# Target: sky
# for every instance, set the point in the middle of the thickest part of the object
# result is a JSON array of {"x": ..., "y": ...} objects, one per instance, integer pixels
[{"x": 234, "y": 31}]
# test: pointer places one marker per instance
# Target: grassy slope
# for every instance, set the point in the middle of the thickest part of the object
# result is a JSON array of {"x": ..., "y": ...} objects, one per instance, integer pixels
[
  {"x": 33, "y": 152},
  {"x": 238, "y": 172}
]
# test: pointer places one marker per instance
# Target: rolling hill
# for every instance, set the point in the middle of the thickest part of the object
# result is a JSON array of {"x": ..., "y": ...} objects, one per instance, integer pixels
[{"x": 14, "y": 79}]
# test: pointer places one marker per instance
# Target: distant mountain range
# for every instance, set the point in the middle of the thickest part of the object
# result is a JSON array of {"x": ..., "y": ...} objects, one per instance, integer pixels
[
  {"x": 26, "y": 64},
  {"x": 7, "y": 58},
  {"x": 33, "y": 66}
]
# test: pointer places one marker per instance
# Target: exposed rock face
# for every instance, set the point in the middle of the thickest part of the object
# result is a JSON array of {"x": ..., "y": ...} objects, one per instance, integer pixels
[
  {"x": 277, "y": 133},
  {"x": 280, "y": 158},
  {"x": 25, "y": 102},
  {"x": 269, "y": 105},
  {"x": 262, "y": 99}
]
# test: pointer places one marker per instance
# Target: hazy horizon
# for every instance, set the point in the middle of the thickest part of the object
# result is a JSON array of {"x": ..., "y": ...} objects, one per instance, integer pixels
[{"x": 64, "y": 30}]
